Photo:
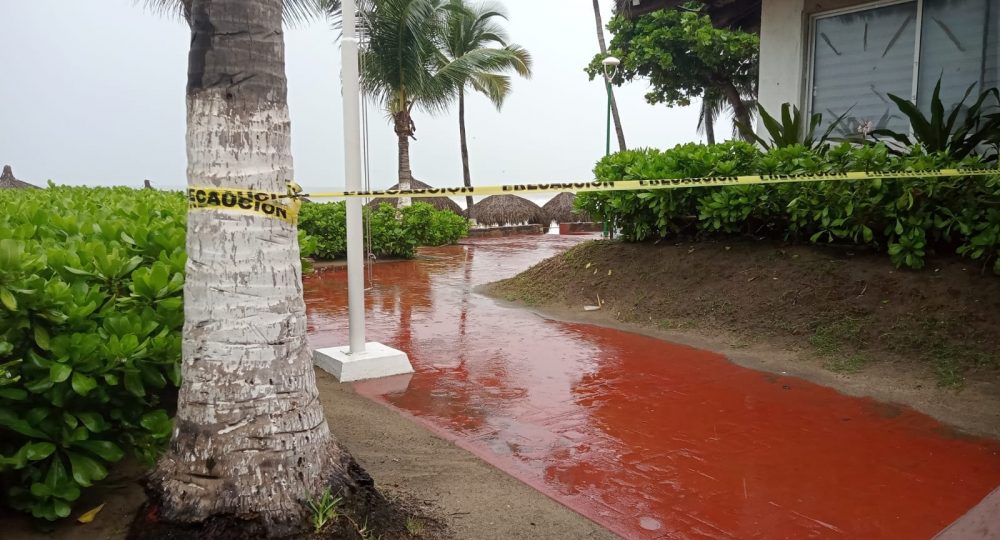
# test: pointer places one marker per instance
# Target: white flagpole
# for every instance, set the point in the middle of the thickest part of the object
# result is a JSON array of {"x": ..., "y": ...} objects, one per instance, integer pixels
[
  {"x": 359, "y": 360},
  {"x": 352, "y": 174}
]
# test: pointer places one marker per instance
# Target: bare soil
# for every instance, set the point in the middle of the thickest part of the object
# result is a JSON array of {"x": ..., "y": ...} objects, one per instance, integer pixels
[
  {"x": 846, "y": 319},
  {"x": 435, "y": 489}
]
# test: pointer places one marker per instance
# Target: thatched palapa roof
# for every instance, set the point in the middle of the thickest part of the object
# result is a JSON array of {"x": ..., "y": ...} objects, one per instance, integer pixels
[
  {"x": 7, "y": 180},
  {"x": 560, "y": 209},
  {"x": 500, "y": 210},
  {"x": 441, "y": 203}
]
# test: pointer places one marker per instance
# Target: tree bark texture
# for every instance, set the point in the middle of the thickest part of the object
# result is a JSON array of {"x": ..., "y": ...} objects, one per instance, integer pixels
[
  {"x": 708, "y": 121},
  {"x": 466, "y": 174},
  {"x": 739, "y": 108},
  {"x": 250, "y": 438},
  {"x": 403, "y": 125},
  {"x": 614, "y": 102}
]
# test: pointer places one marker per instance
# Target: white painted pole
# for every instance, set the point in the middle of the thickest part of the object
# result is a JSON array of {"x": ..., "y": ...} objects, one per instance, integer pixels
[{"x": 352, "y": 173}]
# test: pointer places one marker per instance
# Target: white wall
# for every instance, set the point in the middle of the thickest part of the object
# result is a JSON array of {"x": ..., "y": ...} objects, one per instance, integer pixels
[{"x": 782, "y": 54}]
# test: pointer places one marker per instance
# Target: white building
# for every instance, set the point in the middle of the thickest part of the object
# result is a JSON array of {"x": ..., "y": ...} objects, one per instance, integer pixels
[{"x": 831, "y": 56}]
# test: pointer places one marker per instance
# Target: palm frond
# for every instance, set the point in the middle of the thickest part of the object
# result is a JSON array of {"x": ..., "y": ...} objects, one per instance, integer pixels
[
  {"x": 294, "y": 11},
  {"x": 494, "y": 86}
]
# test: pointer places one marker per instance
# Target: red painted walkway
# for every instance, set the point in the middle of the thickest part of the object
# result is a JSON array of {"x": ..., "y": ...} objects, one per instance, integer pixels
[{"x": 650, "y": 439}]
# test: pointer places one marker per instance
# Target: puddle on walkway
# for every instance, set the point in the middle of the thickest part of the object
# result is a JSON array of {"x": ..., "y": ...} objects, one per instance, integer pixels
[{"x": 648, "y": 438}]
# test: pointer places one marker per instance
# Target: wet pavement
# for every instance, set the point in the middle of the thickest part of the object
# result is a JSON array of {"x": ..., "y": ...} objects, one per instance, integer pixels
[{"x": 648, "y": 438}]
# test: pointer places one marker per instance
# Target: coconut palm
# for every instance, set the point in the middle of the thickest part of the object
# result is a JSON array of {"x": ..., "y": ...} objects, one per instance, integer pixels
[
  {"x": 250, "y": 438},
  {"x": 473, "y": 31},
  {"x": 400, "y": 67},
  {"x": 404, "y": 66}
]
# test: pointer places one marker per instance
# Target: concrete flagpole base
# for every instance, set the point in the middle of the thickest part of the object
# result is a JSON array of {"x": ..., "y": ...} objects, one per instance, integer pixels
[{"x": 376, "y": 361}]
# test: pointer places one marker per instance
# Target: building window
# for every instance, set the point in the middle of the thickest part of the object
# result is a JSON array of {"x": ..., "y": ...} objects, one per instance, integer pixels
[{"x": 904, "y": 48}]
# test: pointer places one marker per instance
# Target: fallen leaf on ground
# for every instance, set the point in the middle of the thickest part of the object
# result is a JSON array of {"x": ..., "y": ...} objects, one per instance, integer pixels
[{"x": 89, "y": 515}]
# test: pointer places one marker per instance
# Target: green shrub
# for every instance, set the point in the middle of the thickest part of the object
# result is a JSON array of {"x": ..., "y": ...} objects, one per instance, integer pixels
[
  {"x": 908, "y": 219},
  {"x": 326, "y": 223},
  {"x": 975, "y": 132},
  {"x": 91, "y": 283},
  {"x": 394, "y": 232}
]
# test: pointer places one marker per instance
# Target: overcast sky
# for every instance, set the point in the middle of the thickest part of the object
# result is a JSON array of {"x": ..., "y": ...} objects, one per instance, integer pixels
[{"x": 92, "y": 92}]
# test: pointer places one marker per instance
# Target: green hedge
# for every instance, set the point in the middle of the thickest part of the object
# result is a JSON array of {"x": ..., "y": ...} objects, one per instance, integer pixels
[
  {"x": 394, "y": 233},
  {"x": 90, "y": 336},
  {"x": 908, "y": 219},
  {"x": 91, "y": 283}
]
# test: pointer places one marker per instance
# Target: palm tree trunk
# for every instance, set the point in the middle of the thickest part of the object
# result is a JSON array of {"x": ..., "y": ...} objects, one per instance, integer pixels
[
  {"x": 250, "y": 437},
  {"x": 604, "y": 51},
  {"x": 466, "y": 175},
  {"x": 740, "y": 110},
  {"x": 708, "y": 121},
  {"x": 404, "y": 130}
]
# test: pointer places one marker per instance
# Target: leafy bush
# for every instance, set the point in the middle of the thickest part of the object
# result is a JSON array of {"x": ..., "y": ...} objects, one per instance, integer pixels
[
  {"x": 956, "y": 139},
  {"x": 908, "y": 219},
  {"x": 394, "y": 232},
  {"x": 791, "y": 130},
  {"x": 326, "y": 223},
  {"x": 91, "y": 283}
]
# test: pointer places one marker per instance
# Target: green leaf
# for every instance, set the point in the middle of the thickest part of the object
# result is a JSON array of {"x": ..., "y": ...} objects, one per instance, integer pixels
[
  {"x": 56, "y": 474},
  {"x": 59, "y": 372},
  {"x": 62, "y": 508},
  {"x": 94, "y": 422},
  {"x": 8, "y": 300},
  {"x": 83, "y": 384},
  {"x": 13, "y": 394},
  {"x": 78, "y": 271},
  {"x": 86, "y": 470},
  {"x": 67, "y": 491},
  {"x": 39, "y": 450},
  {"x": 133, "y": 383},
  {"x": 11, "y": 421},
  {"x": 157, "y": 423},
  {"x": 106, "y": 450},
  {"x": 40, "y": 490},
  {"x": 42, "y": 337}
]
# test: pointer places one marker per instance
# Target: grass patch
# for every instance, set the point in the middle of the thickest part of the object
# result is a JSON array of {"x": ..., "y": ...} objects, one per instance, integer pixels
[
  {"x": 831, "y": 337},
  {"x": 414, "y": 526},
  {"x": 949, "y": 374}
]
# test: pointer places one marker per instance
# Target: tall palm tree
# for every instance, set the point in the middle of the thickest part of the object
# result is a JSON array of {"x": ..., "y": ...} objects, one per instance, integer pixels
[
  {"x": 400, "y": 67},
  {"x": 250, "y": 438},
  {"x": 473, "y": 31},
  {"x": 404, "y": 66},
  {"x": 611, "y": 94}
]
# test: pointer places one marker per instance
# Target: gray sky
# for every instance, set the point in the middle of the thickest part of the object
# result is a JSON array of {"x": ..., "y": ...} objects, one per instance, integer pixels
[{"x": 93, "y": 93}]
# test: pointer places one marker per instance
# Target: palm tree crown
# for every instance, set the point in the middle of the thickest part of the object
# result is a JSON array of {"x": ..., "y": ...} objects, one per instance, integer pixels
[
  {"x": 410, "y": 60},
  {"x": 472, "y": 32}
]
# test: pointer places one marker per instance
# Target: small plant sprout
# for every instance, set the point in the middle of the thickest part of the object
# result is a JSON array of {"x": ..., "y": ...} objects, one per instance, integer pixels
[
  {"x": 323, "y": 510},
  {"x": 414, "y": 526}
]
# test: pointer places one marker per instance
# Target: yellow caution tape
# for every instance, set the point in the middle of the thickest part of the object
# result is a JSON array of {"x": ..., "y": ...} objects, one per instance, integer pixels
[
  {"x": 632, "y": 185},
  {"x": 282, "y": 206},
  {"x": 285, "y": 206}
]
